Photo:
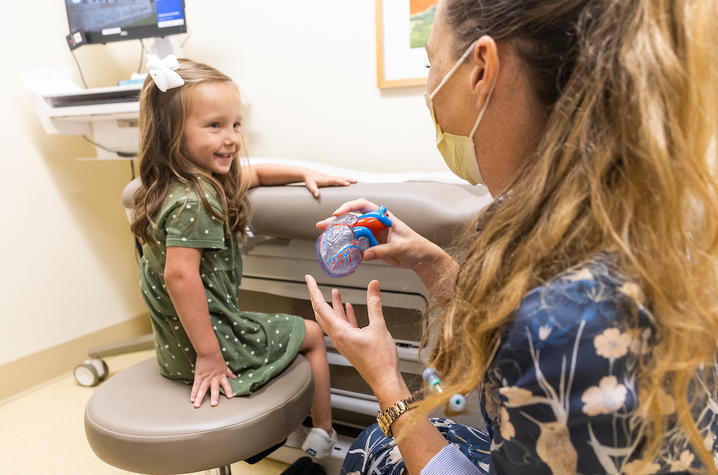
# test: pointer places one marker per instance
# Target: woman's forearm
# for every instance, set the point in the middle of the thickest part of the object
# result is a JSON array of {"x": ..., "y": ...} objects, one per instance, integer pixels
[
  {"x": 422, "y": 442},
  {"x": 438, "y": 272}
]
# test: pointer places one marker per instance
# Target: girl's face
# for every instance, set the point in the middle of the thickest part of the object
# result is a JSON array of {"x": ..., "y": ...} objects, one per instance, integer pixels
[{"x": 212, "y": 133}]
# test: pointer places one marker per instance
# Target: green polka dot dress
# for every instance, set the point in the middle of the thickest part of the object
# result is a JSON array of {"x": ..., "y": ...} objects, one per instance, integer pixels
[{"x": 256, "y": 346}]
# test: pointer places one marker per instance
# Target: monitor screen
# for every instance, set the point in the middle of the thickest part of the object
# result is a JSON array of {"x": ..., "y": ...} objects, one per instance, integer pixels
[{"x": 103, "y": 21}]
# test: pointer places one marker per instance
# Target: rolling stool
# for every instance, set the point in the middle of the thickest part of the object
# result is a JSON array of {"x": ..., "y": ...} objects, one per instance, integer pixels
[{"x": 143, "y": 422}]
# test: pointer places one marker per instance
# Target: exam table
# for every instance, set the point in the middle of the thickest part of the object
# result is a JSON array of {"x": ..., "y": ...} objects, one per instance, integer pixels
[{"x": 139, "y": 421}]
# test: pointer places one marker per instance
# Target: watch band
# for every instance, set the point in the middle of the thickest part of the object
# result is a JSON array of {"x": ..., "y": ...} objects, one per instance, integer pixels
[{"x": 387, "y": 417}]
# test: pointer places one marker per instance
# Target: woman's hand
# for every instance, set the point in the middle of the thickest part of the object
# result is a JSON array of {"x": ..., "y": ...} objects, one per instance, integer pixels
[
  {"x": 210, "y": 372},
  {"x": 371, "y": 350},
  {"x": 404, "y": 247},
  {"x": 313, "y": 180}
]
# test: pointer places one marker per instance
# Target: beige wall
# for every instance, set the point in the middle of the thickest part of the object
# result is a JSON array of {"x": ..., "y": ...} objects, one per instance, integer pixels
[
  {"x": 68, "y": 266},
  {"x": 308, "y": 71}
]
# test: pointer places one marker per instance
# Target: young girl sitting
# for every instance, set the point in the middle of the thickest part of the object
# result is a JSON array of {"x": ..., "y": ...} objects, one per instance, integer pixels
[{"x": 188, "y": 213}]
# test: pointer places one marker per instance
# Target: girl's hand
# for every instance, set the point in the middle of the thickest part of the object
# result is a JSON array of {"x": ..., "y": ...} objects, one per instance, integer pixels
[
  {"x": 313, "y": 180},
  {"x": 371, "y": 350},
  {"x": 210, "y": 372}
]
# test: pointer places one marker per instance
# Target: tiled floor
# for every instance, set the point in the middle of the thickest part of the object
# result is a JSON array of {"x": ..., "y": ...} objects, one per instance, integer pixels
[{"x": 41, "y": 431}]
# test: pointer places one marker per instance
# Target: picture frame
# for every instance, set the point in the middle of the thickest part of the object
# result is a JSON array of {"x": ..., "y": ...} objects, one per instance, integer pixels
[{"x": 400, "y": 57}]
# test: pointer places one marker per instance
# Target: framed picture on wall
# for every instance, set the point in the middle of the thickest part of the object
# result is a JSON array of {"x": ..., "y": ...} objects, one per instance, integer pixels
[{"x": 402, "y": 30}]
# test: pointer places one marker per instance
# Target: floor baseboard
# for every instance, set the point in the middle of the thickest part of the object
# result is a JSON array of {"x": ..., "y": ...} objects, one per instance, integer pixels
[{"x": 33, "y": 370}]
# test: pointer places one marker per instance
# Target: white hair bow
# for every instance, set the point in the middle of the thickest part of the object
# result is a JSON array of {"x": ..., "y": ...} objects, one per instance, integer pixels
[{"x": 163, "y": 72}]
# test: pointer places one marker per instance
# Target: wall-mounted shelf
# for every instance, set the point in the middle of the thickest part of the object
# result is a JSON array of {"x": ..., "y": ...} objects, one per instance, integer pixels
[{"x": 109, "y": 115}]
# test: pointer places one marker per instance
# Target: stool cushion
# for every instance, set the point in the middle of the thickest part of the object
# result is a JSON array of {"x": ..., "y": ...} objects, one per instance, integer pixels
[{"x": 142, "y": 422}]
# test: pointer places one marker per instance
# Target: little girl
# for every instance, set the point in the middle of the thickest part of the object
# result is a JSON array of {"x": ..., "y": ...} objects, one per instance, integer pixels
[{"x": 188, "y": 213}]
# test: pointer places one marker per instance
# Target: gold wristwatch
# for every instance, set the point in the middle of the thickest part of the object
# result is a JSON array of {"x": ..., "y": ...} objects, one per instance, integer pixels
[{"x": 387, "y": 417}]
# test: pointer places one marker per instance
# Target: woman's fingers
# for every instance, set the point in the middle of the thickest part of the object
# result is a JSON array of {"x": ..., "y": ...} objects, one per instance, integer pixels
[
  {"x": 322, "y": 311},
  {"x": 359, "y": 205},
  {"x": 373, "y": 303},
  {"x": 385, "y": 252},
  {"x": 230, "y": 374},
  {"x": 351, "y": 318},
  {"x": 377, "y": 252},
  {"x": 315, "y": 295},
  {"x": 337, "y": 304},
  {"x": 324, "y": 223}
]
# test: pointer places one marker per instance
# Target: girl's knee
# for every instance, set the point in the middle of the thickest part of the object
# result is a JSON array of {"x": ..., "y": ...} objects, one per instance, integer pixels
[
  {"x": 314, "y": 335},
  {"x": 313, "y": 329}
]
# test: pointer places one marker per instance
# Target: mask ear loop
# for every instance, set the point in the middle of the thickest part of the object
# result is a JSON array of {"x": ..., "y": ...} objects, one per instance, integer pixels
[{"x": 453, "y": 69}]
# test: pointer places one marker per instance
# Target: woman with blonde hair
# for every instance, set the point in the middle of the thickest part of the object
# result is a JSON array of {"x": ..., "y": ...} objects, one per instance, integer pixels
[{"x": 582, "y": 305}]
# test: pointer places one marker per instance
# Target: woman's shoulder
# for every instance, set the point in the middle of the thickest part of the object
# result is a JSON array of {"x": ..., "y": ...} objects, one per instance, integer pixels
[{"x": 593, "y": 297}]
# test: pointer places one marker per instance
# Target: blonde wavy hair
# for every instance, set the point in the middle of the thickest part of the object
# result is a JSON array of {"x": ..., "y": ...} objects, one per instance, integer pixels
[
  {"x": 627, "y": 164},
  {"x": 162, "y": 162}
]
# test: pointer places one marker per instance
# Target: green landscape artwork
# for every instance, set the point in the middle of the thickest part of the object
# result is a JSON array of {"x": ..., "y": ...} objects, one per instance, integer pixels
[{"x": 421, "y": 17}]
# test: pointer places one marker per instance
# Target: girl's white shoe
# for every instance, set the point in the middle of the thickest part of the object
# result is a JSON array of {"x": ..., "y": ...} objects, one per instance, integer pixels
[
  {"x": 297, "y": 437},
  {"x": 318, "y": 443}
]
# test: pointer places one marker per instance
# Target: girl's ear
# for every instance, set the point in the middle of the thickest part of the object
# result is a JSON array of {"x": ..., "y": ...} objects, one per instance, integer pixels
[{"x": 485, "y": 68}]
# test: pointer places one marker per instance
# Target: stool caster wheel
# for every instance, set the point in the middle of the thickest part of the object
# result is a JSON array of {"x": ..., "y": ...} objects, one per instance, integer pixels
[{"x": 90, "y": 372}]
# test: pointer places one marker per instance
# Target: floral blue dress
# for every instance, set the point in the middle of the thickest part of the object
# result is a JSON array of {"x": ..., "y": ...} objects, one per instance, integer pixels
[{"x": 561, "y": 394}]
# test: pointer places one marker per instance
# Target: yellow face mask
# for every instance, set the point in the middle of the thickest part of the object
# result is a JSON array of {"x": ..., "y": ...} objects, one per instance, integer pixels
[{"x": 459, "y": 151}]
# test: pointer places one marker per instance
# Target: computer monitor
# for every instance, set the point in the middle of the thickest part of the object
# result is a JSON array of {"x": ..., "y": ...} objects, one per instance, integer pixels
[{"x": 103, "y": 21}]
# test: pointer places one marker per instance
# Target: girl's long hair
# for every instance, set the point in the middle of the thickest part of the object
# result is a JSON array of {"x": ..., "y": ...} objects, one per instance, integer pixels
[
  {"x": 627, "y": 164},
  {"x": 164, "y": 163}
]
